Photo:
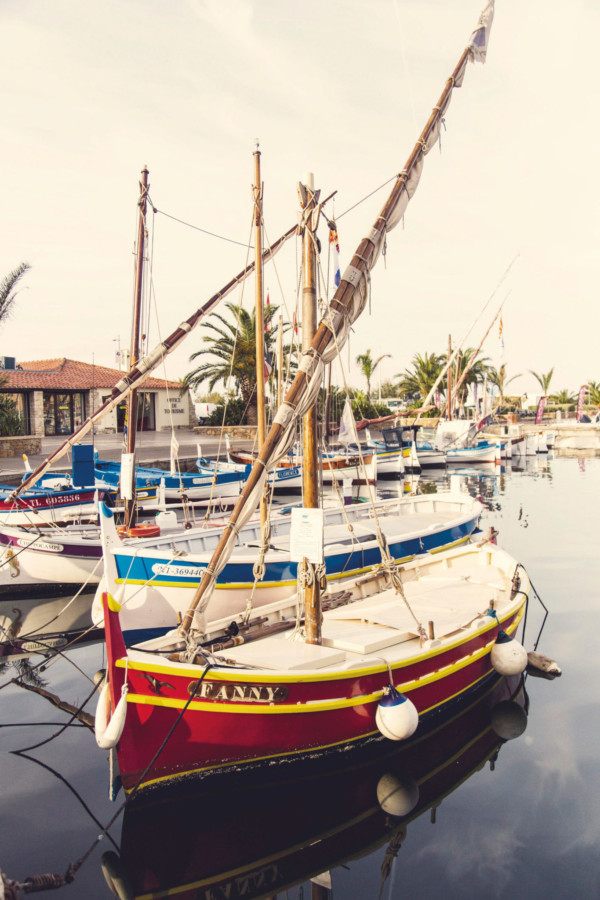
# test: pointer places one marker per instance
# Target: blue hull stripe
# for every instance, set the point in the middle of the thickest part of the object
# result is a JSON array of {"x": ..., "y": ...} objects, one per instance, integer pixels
[{"x": 139, "y": 570}]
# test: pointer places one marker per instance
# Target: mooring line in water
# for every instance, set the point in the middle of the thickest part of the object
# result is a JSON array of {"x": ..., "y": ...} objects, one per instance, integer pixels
[
  {"x": 56, "y": 880},
  {"x": 542, "y": 604},
  {"x": 75, "y": 715},
  {"x": 69, "y": 786}
]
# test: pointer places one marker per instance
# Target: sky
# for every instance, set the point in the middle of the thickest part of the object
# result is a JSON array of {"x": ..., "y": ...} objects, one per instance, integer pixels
[{"x": 506, "y": 210}]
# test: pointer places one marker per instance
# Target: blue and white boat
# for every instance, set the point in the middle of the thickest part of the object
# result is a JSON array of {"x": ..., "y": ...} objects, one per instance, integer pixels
[
  {"x": 401, "y": 451},
  {"x": 195, "y": 485},
  {"x": 155, "y": 579}
]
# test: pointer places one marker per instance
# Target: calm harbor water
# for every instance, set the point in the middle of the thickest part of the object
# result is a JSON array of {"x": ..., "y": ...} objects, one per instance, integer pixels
[{"x": 465, "y": 814}]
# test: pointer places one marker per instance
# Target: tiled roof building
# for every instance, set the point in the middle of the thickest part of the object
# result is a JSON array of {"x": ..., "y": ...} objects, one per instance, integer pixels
[{"x": 55, "y": 395}]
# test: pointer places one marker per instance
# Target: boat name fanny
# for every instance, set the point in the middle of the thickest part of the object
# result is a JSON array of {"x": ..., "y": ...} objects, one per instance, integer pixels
[{"x": 259, "y": 693}]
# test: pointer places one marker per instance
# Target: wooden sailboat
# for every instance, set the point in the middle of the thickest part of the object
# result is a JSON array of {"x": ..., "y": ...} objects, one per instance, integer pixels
[
  {"x": 156, "y": 579},
  {"x": 377, "y": 657}
]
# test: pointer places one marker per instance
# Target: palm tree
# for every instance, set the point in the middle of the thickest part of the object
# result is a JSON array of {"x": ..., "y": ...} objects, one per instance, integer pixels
[
  {"x": 594, "y": 392},
  {"x": 564, "y": 398},
  {"x": 544, "y": 380},
  {"x": 498, "y": 377},
  {"x": 7, "y": 289},
  {"x": 233, "y": 343},
  {"x": 368, "y": 366},
  {"x": 415, "y": 384}
]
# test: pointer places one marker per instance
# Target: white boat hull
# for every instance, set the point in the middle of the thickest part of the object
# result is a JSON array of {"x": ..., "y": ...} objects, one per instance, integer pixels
[{"x": 156, "y": 580}]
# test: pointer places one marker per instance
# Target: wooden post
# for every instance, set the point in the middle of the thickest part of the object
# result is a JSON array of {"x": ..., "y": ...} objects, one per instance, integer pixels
[
  {"x": 310, "y": 460},
  {"x": 132, "y": 402}
]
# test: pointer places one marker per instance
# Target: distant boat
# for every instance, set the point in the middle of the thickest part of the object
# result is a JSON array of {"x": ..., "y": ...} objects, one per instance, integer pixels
[{"x": 194, "y": 485}]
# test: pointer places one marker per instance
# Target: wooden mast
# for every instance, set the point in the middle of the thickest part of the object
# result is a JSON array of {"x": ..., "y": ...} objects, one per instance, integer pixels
[
  {"x": 449, "y": 378},
  {"x": 132, "y": 401},
  {"x": 259, "y": 319},
  {"x": 310, "y": 461}
]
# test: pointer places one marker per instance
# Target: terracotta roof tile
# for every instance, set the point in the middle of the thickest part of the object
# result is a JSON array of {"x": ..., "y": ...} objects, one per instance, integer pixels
[{"x": 69, "y": 375}]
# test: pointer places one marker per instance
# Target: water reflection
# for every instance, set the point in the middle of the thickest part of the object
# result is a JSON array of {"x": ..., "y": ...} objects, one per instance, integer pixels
[
  {"x": 529, "y": 829},
  {"x": 223, "y": 839}
]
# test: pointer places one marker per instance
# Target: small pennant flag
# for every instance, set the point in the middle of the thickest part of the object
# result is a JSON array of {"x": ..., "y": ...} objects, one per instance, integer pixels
[
  {"x": 268, "y": 362},
  {"x": 334, "y": 245}
]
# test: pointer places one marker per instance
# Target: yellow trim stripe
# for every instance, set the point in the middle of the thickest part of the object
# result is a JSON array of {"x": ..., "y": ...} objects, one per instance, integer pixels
[{"x": 319, "y": 706}]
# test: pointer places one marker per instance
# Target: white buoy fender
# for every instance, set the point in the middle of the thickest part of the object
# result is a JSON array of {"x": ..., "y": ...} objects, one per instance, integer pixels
[
  {"x": 508, "y": 657},
  {"x": 397, "y": 796},
  {"x": 108, "y": 731},
  {"x": 396, "y": 717}
]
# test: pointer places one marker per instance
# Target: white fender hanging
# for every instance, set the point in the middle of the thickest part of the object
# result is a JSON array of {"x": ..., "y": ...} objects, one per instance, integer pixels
[
  {"x": 396, "y": 716},
  {"x": 109, "y": 730},
  {"x": 508, "y": 657}
]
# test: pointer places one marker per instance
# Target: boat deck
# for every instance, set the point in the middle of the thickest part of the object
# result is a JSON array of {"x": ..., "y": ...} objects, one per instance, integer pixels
[{"x": 355, "y": 632}]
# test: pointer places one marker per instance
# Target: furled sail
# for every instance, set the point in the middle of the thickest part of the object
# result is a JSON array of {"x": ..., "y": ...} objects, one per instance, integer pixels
[{"x": 347, "y": 304}]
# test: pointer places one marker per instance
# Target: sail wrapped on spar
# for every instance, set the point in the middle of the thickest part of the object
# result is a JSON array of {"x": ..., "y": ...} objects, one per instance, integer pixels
[{"x": 347, "y": 304}]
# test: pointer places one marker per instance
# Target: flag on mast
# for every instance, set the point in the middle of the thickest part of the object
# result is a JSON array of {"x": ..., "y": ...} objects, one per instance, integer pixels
[
  {"x": 480, "y": 37},
  {"x": 334, "y": 246},
  {"x": 268, "y": 361}
]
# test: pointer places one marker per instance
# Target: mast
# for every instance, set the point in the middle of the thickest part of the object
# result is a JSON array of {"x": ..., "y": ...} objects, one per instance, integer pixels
[
  {"x": 280, "y": 362},
  {"x": 128, "y": 490},
  {"x": 449, "y": 379},
  {"x": 473, "y": 357},
  {"x": 310, "y": 460},
  {"x": 259, "y": 318}
]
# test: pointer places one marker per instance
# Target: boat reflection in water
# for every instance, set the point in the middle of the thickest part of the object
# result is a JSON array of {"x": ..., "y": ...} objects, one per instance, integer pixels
[
  {"x": 33, "y": 625},
  {"x": 220, "y": 838}
]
